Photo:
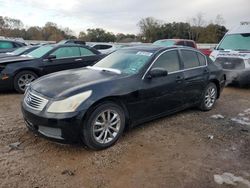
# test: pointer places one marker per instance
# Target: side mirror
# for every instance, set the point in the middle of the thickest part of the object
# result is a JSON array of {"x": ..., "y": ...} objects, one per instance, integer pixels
[
  {"x": 51, "y": 57},
  {"x": 157, "y": 72}
]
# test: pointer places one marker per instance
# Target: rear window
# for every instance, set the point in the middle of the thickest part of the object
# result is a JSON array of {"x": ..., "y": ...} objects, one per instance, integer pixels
[
  {"x": 6, "y": 45},
  {"x": 86, "y": 52},
  {"x": 190, "y": 59},
  {"x": 102, "y": 47},
  {"x": 202, "y": 59},
  {"x": 190, "y": 44}
]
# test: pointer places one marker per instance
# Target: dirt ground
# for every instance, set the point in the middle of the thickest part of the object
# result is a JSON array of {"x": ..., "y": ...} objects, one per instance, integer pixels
[{"x": 183, "y": 150}]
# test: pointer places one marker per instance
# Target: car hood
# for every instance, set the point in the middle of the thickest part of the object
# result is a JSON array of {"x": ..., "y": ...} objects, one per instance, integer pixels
[
  {"x": 66, "y": 83},
  {"x": 14, "y": 59},
  {"x": 3, "y": 55}
]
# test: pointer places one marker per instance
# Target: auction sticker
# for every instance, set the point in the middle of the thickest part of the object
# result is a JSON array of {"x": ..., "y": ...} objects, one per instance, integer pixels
[{"x": 144, "y": 53}]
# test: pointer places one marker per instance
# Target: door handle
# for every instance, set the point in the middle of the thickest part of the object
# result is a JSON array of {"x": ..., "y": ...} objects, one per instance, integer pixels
[
  {"x": 205, "y": 71},
  {"x": 78, "y": 59},
  {"x": 179, "y": 79}
]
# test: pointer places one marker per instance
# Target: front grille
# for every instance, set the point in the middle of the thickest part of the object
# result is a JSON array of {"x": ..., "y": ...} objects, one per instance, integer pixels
[
  {"x": 34, "y": 101},
  {"x": 231, "y": 63}
]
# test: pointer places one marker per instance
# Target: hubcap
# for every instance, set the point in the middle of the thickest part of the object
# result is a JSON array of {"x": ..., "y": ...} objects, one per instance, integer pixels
[
  {"x": 24, "y": 80},
  {"x": 210, "y": 97},
  {"x": 106, "y": 126}
]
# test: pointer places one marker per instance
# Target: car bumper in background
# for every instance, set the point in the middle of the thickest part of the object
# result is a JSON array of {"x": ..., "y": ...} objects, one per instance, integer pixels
[
  {"x": 5, "y": 82},
  {"x": 241, "y": 77}
]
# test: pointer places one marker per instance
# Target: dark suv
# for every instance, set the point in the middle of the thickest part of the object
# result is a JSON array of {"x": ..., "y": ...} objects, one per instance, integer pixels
[{"x": 9, "y": 45}]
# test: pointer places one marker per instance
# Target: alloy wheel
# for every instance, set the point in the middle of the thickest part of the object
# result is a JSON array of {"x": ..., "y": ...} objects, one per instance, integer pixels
[
  {"x": 210, "y": 97},
  {"x": 24, "y": 80},
  {"x": 106, "y": 126}
]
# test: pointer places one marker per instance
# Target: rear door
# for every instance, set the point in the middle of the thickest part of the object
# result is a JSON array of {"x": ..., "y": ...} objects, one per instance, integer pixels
[
  {"x": 88, "y": 57},
  {"x": 195, "y": 74},
  {"x": 66, "y": 58}
]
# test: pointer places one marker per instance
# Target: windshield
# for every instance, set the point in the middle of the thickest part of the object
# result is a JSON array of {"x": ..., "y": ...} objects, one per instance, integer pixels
[
  {"x": 126, "y": 61},
  {"x": 18, "y": 51},
  {"x": 41, "y": 51},
  {"x": 235, "y": 42},
  {"x": 165, "y": 43}
]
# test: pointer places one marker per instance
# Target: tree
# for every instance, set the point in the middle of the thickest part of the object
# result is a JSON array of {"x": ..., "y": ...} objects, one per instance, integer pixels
[{"x": 150, "y": 29}]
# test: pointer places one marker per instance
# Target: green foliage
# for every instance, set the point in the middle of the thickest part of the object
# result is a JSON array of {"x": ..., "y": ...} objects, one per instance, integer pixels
[
  {"x": 10, "y": 27},
  {"x": 152, "y": 30}
]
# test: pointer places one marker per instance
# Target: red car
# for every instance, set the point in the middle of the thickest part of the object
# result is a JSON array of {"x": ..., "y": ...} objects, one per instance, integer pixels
[{"x": 181, "y": 42}]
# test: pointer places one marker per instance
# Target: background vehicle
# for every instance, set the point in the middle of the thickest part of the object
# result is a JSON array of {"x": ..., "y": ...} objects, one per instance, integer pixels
[
  {"x": 233, "y": 53},
  {"x": 20, "y": 51},
  {"x": 9, "y": 45},
  {"x": 181, "y": 42},
  {"x": 104, "y": 48},
  {"x": 17, "y": 72},
  {"x": 72, "y": 41},
  {"x": 126, "y": 88}
]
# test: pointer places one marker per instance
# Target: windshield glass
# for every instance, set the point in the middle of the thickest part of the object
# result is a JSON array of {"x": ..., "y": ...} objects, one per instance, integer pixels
[
  {"x": 165, "y": 43},
  {"x": 19, "y": 51},
  {"x": 235, "y": 42},
  {"x": 41, "y": 51},
  {"x": 127, "y": 61}
]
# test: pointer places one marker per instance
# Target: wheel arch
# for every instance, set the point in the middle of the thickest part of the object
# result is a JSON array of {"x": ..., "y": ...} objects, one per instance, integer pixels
[
  {"x": 115, "y": 99},
  {"x": 36, "y": 71},
  {"x": 217, "y": 83}
]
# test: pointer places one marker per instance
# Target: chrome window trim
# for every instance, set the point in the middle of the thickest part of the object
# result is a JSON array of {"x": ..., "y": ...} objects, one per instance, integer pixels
[{"x": 182, "y": 70}]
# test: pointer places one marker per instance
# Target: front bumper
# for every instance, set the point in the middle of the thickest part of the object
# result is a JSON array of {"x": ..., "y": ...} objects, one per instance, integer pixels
[
  {"x": 65, "y": 128},
  {"x": 241, "y": 77},
  {"x": 5, "y": 84}
]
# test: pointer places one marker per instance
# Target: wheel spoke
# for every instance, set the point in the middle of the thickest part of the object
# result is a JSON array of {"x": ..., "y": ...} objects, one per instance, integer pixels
[
  {"x": 114, "y": 129},
  {"x": 99, "y": 130},
  {"x": 100, "y": 136},
  {"x": 113, "y": 118},
  {"x": 105, "y": 136},
  {"x": 109, "y": 132},
  {"x": 114, "y": 123}
]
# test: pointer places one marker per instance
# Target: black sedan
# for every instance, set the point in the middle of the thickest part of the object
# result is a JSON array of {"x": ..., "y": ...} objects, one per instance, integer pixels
[
  {"x": 18, "y": 72},
  {"x": 20, "y": 51},
  {"x": 126, "y": 88},
  {"x": 9, "y": 45}
]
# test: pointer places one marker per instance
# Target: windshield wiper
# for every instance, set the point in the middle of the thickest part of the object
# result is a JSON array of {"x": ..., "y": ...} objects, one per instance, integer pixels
[
  {"x": 242, "y": 50},
  {"x": 105, "y": 69},
  {"x": 220, "y": 49}
]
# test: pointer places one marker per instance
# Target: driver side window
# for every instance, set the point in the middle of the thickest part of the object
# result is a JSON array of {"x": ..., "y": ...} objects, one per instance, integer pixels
[
  {"x": 66, "y": 52},
  {"x": 168, "y": 61}
]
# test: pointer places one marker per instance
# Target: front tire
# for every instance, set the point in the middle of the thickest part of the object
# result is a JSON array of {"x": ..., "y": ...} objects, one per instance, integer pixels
[
  {"x": 209, "y": 97},
  {"x": 22, "y": 79},
  {"x": 103, "y": 126}
]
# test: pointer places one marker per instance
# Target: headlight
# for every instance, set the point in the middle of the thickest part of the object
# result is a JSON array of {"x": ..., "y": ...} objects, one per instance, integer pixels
[{"x": 70, "y": 104}]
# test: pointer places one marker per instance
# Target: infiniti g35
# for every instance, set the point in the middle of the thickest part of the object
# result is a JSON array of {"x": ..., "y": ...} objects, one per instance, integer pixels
[{"x": 126, "y": 88}]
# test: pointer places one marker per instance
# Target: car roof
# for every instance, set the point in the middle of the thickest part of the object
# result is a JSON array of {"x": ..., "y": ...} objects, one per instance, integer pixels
[
  {"x": 148, "y": 48},
  {"x": 9, "y": 40},
  {"x": 156, "y": 48},
  {"x": 176, "y": 40}
]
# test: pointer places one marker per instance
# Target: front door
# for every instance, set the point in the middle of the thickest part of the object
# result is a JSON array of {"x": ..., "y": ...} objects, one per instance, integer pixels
[{"x": 160, "y": 95}]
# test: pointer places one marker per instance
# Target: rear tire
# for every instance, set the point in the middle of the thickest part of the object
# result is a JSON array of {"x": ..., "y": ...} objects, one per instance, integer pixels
[
  {"x": 103, "y": 126},
  {"x": 209, "y": 97},
  {"x": 22, "y": 79}
]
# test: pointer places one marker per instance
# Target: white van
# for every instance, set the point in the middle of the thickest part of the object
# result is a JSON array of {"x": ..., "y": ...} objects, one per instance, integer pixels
[{"x": 233, "y": 53}]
